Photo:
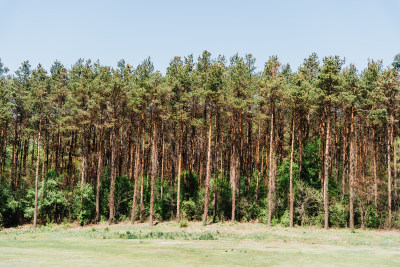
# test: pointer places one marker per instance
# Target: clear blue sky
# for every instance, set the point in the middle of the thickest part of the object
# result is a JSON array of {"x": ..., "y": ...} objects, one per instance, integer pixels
[{"x": 43, "y": 31}]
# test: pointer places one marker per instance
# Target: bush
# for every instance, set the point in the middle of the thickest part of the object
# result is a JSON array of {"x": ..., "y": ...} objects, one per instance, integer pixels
[
  {"x": 372, "y": 219},
  {"x": 52, "y": 204},
  {"x": 84, "y": 207},
  {"x": 285, "y": 219},
  {"x": 189, "y": 209},
  {"x": 337, "y": 214},
  {"x": 183, "y": 223},
  {"x": 122, "y": 197},
  {"x": 9, "y": 206},
  {"x": 308, "y": 204}
]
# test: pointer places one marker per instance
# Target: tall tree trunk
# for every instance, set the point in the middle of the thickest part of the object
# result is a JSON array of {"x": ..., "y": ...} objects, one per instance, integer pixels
[
  {"x": 162, "y": 161},
  {"x": 142, "y": 182},
  {"x": 271, "y": 168},
  {"x": 112, "y": 177},
  {"x": 136, "y": 174},
  {"x": 326, "y": 166},
  {"x": 44, "y": 155},
  {"x": 208, "y": 172},
  {"x": 352, "y": 169},
  {"x": 291, "y": 170},
  {"x": 178, "y": 195},
  {"x": 258, "y": 159},
  {"x": 233, "y": 166},
  {"x": 389, "y": 170},
  {"x": 154, "y": 162},
  {"x": 375, "y": 170},
  {"x": 37, "y": 175},
  {"x": 99, "y": 171}
]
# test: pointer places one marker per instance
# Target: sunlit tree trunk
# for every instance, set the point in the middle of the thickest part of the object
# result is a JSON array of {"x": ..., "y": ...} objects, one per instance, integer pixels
[
  {"x": 326, "y": 168},
  {"x": 37, "y": 175},
  {"x": 112, "y": 177},
  {"x": 154, "y": 162},
  {"x": 271, "y": 169},
  {"x": 208, "y": 172},
  {"x": 352, "y": 169},
  {"x": 291, "y": 171}
]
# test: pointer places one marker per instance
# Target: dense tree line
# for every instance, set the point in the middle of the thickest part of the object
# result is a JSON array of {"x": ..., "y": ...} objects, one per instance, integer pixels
[{"x": 210, "y": 140}]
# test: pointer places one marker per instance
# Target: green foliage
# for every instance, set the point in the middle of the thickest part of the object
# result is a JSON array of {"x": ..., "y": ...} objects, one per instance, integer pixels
[
  {"x": 183, "y": 223},
  {"x": 90, "y": 106},
  {"x": 373, "y": 219},
  {"x": 309, "y": 205},
  {"x": 285, "y": 219},
  {"x": 122, "y": 196},
  {"x": 84, "y": 207},
  {"x": 9, "y": 206},
  {"x": 189, "y": 209},
  {"x": 338, "y": 214},
  {"x": 52, "y": 203}
]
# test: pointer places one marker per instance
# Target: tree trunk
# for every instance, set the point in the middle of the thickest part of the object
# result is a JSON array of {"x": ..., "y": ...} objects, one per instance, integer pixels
[
  {"x": 326, "y": 167},
  {"x": 344, "y": 161},
  {"x": 37, "y": 176},
  {"x": 352, "y": 169},
  {"x": 389, "y": 170},
  {"x": 162, "y": 162},
  {"x": 99, "y": 171},
  {"x": 178, "y": 194},
  {"x": 208, "y": 172},
  {"x": 291, "y": 171},
  {"x": 154, "y": 162},
  {"x": 271, "y": 168},
  {"x": 136, "y": 178},
  {"x": 375, "y": 170},
  {"x": 112, "y": 177},
  {"x": 233, "y": 166},
  {"x": 83, "y": 169},
  {"x": 258, "y": 159}
]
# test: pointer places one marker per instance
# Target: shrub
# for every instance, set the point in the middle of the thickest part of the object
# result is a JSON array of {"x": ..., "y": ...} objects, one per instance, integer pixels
[
  {"x": 9, "y": 207},
  {"x": 207, "y": 236},
  {"x": 84, "y": 204},
  {"x": 372, "y": 218},
  {"x": 183, "y": 223},
  {"x": 337, "y": 214},
  {"x": 309, "y": 204},
  {"x": 189, "y": 209},
  {"x": 285, "y": 219},
  {"x": 52, "y": 204}
]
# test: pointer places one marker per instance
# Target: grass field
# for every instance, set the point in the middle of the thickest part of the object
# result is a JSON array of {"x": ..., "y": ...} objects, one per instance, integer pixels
[{"x": 166, "y": 244}]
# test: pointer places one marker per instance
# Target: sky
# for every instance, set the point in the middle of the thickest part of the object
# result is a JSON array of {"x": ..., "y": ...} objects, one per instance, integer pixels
[{"x": 45, "y": 31}]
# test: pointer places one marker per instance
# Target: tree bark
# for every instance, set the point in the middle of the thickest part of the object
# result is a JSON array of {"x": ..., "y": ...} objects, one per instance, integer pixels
[
  {"x": 178, "y": 194},
  {"x": 154, "y": 162},
  {"x": 136, "y": 178},
  {"x": 352, "y": 169},
  {"x": 208, "y": 173},
  {"x": 99, "y": 171},
  {"x": 258, "y": 159},
  {"x": 83, "y": 169},
  {"x": 112, "y": 177},
  {"x": 37, "y": 176},
  {"x": 271, "y": 169},
  {"x": 162, "y": 162},
  {"x": 389, "y": 170},
  {"x": 326, "y": 167},
  {"x": 291, "y": 170},
  {"x": 375, "y": 170}
]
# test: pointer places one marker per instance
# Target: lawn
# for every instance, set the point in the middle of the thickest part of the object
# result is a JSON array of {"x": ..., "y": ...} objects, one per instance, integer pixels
[{"x": 166, "y": 244}]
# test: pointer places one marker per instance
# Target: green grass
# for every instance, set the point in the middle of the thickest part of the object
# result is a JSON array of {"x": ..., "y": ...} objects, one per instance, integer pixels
[{"x": 167, "y": 244}]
